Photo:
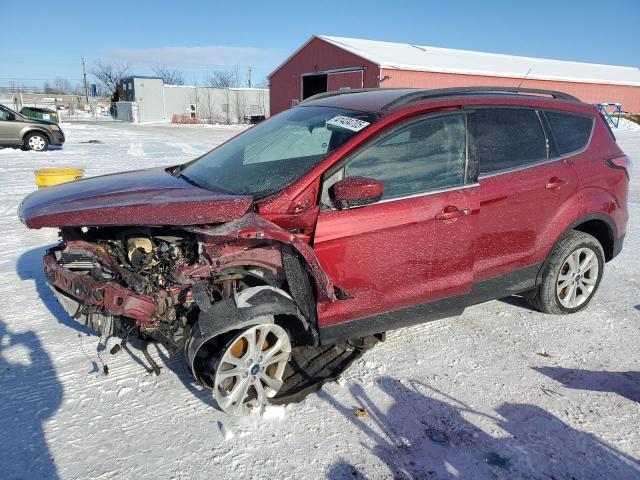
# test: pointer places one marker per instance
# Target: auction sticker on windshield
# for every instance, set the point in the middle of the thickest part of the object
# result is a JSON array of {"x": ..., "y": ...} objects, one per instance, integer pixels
[{"x": 352, "y": 124}]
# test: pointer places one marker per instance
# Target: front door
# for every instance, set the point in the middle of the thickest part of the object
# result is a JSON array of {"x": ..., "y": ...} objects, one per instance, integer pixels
[
  {"x": 9, "y": 129},
  {"x": 413, "y": 247}
]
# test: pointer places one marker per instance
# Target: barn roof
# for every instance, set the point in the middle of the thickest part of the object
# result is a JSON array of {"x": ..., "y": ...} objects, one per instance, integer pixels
[{"x": 404, "y": 56}]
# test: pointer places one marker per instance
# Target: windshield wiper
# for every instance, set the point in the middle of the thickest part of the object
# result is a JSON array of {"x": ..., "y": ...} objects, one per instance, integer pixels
[{"x": 189, "y": 180}]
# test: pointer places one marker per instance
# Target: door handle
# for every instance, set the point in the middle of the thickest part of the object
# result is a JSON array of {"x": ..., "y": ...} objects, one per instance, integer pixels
[
  {"x": 450, "y": 212},
  {"x": 555, "y": 182}
]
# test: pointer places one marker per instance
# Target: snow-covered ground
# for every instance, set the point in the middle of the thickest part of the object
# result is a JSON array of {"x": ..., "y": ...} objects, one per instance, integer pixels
[{"x": 501, "y": 392}]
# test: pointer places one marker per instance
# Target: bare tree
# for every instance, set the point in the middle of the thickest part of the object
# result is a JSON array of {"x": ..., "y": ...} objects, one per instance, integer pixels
[
  {"x": 222, "y": 79},
  {"x": 261, "y": 103},
  {"x": 240, "y": 105},
  {"x": 109, "y": 76},
  {"x": 207, "y": 107},
  {"x": 15, "y": 87},
  {"x": 47, "y": 88},
  {"x": 62, "y": 86},
  {"x": 170, "y": 76},
  {"x": 78, "y": 89}
]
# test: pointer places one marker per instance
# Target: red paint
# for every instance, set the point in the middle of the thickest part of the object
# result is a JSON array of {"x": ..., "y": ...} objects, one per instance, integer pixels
[
  {"x": 255, "y": 228},
  {"x": 386, "y": 255},
  {"x": 112, "y": 296},
  {"x": 354, "y": 191},
  {"x": 143, "y": 197},
  {"x": 394, "y": 254},
  {"x": 285, "y": 84},
  {"x": 345, "y": 80}
]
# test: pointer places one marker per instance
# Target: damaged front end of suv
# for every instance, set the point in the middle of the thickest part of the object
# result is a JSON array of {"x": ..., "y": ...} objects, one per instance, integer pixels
[
  {"x": 158, "y": 255},
  {"x": 200, "y": 291}
]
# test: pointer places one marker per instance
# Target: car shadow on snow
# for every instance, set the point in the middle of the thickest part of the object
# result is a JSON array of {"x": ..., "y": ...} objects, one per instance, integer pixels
[
  {"x": 517, "y": 301},
  {"x": 625, "y": 384},
  {"x": 24, "y": 409},
  {"x": 427, "y": 434},
  {"x": 29, "y": 267}
]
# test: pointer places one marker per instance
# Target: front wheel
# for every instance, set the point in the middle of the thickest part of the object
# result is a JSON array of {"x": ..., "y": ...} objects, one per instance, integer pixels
[
  {"x": 38, "y": 142},
  {"x": 251, "y": 367},
  {"x": 572, "y": 275}
]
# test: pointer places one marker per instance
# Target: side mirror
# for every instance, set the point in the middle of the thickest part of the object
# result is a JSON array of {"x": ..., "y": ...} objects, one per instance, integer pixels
[
  {"x": 11, "y": 117},
  {"x": 355, "y": 192}
]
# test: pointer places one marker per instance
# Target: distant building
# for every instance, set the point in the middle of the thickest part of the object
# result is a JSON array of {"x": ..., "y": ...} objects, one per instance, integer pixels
[
  {"x": 148, "y": 99},
  {"x": 333, "y": 63}
]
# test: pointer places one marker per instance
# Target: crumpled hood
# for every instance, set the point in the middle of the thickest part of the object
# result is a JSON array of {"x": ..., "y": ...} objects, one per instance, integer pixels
[{"x": 143, "y": 197}]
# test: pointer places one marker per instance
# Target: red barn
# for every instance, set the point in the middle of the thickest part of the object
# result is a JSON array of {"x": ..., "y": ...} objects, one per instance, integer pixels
[{"x": 332, "y": 63}]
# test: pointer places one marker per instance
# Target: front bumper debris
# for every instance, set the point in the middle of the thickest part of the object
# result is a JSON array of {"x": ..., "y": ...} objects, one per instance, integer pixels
[{"x": 110, "y": 296}]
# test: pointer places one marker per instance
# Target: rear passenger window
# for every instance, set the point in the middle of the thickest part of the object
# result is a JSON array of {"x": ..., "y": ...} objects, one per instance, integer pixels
[
  {"x": 505, "y": 138},
  {"x": 571, "y": 132}
]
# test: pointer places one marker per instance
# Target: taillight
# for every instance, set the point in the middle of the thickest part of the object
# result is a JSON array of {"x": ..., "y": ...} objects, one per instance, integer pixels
[{"x": 623, "y": 163}]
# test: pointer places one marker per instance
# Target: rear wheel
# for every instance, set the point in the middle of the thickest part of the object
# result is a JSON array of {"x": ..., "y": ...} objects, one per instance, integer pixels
[
  {"x": 572, "y": 275},
  {"x": 38, "y": 142}
]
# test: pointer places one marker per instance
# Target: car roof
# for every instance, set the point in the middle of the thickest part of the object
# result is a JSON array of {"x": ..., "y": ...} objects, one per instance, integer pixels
[{"x": 385, "y": 100}]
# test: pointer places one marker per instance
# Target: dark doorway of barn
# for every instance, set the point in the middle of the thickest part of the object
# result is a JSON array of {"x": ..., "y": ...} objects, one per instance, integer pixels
[{"x": 313, "y": 84}]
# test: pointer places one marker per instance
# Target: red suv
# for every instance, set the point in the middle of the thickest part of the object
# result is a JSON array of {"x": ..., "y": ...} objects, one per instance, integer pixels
[{"x": 275, "y": 259}]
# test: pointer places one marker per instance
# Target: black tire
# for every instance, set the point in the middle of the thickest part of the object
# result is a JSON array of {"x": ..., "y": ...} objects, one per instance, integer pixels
[
  {"x": 546, "y": 297},
  {"x": 311, "y": 367},
  {"x": 36, "y": 141}
]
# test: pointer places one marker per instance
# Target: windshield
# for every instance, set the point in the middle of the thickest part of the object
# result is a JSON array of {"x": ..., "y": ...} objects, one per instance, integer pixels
[
  {"x": 276, "y": 152},
  {"x": 4, "y": 111}
]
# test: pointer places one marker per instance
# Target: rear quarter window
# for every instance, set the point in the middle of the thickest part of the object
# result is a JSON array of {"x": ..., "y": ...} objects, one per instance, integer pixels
[
  {"x": 570, "y": 132},
  {"x": 507, "y": 138}
]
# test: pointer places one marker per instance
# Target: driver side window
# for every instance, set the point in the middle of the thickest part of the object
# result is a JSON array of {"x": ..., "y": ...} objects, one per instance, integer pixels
[
  {"x": 424, "y": 155},
  {"x": 3, "y": 114}
]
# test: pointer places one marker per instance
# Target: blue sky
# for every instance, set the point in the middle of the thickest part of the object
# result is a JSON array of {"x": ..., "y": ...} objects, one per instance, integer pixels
[{"x": 200, "y": 36}]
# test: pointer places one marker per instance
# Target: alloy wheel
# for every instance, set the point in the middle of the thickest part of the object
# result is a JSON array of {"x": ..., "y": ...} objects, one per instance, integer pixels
[
  {"x": 577, "y": 278},
  {"x": 251, "y": 368},
  {"x": 36, "y": 142}
]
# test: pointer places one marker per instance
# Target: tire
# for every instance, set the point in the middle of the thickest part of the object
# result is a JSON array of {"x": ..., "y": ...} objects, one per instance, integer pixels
[
  {"x": 250, "y": 368},
  {"x": 567, "y": 284},
  {"x": 36, "y": 141}
]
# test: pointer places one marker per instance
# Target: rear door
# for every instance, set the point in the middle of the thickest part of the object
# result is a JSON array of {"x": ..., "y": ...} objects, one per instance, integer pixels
[
  {"x": 522, "y": 183},
  {"x": 414, "y": 246}
]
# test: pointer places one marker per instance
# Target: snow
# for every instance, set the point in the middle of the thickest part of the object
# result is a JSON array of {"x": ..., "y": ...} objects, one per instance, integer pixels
[
  {"x": 625, "y": 124},
  {"x": 405, "y": 56},
  {"x": 501, "y": 392}
]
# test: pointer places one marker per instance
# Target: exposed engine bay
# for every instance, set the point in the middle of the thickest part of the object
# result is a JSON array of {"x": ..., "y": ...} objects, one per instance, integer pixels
[
  {"x": 193, "y": 290},
  {"x": 155, "y": 280}
]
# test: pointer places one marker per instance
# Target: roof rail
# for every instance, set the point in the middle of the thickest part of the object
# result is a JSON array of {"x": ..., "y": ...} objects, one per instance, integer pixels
[{"x": 443, "y": 92}]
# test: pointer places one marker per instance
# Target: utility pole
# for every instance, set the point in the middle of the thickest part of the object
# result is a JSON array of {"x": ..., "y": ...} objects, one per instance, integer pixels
[
  {"x": 86, "y": 89},
  {"x": 249, "y": 77}
]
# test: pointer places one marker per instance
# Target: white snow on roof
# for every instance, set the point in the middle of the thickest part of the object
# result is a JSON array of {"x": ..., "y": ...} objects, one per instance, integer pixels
[{"x": 403, "y": 56}]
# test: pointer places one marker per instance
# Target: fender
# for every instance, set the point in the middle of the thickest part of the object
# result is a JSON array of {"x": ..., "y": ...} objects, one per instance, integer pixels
[
  {"x": 597, "y": 201},
  {"x": 246, "y": 308},
  {"x": 611, "y": 226},
  {"x": 555, "y": 228},
  {"x": 255, "y": 230},
  {"x": 34, "y": 128}
]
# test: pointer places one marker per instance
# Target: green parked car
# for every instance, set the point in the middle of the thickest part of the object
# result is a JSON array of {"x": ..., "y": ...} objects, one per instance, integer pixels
[{"x": 40, "y": 113}]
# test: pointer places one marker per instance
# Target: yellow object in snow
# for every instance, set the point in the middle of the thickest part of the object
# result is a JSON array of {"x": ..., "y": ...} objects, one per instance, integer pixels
[{"x": 47, "y": 177}]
